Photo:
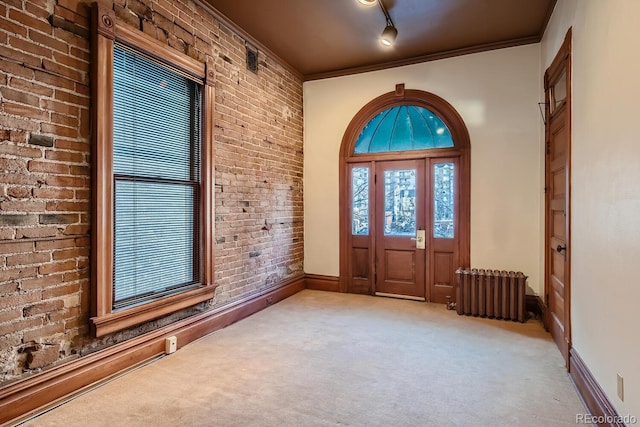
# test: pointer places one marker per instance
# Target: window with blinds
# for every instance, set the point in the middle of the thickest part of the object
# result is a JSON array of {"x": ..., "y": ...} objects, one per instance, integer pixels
[{"x": 156, "y": 170}]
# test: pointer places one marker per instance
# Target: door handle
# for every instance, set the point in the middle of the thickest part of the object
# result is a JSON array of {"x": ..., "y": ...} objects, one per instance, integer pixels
[
  {"x": 561, "y": 248},
  {"x": 420, "y": 239}
]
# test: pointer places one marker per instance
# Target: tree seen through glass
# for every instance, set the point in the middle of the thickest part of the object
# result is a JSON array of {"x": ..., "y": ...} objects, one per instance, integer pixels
[{"x": 400, "y": 202}]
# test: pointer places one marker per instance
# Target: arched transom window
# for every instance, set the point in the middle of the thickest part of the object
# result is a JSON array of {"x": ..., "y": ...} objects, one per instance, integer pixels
[{"x": 403, "y": 128}]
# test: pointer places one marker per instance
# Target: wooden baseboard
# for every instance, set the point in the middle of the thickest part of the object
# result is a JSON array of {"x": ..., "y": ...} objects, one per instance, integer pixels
[
  {"x": 318, "y": 282},
  {"x": 28, "y": 395},
  {"x": 592, "y": 394}
]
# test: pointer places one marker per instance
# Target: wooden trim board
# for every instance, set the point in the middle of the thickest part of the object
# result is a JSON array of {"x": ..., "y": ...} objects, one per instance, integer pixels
[
  {"x": 318, "y": 282},
  {"x": 594, "y": 397},
  {"x": 26, "y": 397}
]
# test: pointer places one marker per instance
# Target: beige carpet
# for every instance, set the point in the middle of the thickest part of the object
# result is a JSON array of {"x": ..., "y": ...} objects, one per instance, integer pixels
[{"x": 327, "y": 359}]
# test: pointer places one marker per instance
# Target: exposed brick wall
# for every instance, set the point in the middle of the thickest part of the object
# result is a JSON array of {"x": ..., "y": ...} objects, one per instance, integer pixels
[{"x": 45, "y": 187}]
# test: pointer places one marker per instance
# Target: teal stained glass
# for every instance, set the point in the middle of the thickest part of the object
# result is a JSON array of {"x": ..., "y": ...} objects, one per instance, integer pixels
[{"x": 403, "y": 128}]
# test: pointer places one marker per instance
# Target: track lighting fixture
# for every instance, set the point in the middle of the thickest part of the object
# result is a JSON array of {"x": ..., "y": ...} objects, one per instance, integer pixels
[
  {"x": 388, "y": 35},
  {"x": 390, "y": 32}
]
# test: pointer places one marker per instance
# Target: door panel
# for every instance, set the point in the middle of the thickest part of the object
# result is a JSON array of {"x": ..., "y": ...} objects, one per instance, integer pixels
[
  {"x": 557, "y": 200},
  {"x": 400, "y": 190},
  {"x": 444, "y": 241}
]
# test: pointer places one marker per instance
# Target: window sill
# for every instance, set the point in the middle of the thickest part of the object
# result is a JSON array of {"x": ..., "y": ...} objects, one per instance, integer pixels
[{"x": 113, "y": 322}]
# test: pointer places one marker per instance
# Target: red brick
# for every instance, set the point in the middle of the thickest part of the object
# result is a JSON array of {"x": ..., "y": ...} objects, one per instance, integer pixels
[
  {"x": 42, "y": 357},
  {"x": 67, "y": 206},
  {"x": 57, "y": 267},
  {"x": 31, "y": 47},
  {"x": 52, "y": 193},
  {"x": 19, "y": 96},
  {"x": 18, "y": 179},
  {"x": 54, "y": 80},
  {"x": 29, "y": 21},
  {"x": 20, "y": 325},
  {"x": 10, "y": 315},
  {"x": 12, "y": 27},
  {"x": 7, "y": 288},
  {"x": 71, "y": 39},
  {"x": 40, "y": 282},
  {"x": 19, "y": 192},
  {"x": 65, "y": 14},
  {"x": 72, "y": 145},
  {"x": 25, "y": 111},
  {"x": 70, "y": 253},
  {"x": 19, "y": 56},
  {"x": 73, "y": 276},
  {"x": 45, "y": 331},
  {"x": 36, "y": 10},
  {"x": 33, "y": 232},
  {"x": 83, "y": 194},
  {"x": 12, "y": 165},
  {"x": 70, "y": 61},
  {"x": 76, "y": 229},
  {"x": 31, "y": 87},
  {"x": 73, "y": 74},
  {"x": 79, "y": 8},
  {"x": 58, "y": 130},
  {"x": 22, "y": 206},
  {"x": 29, "y": 258},
  {"x": 18, "y": 150},
  {"x": 43, "y": 307},
  {"x": 79, "y": 170},
  {"x": 17, "y": 273},
  {"x": 59, "y": 291},
  {"x": 48, "y": 167},
  {"x": 46, "y": 245},
  {"x": 71, "y": 98},
  {"x": 64, "y": 181},
  {"x": 48, "y": 41},
  {"x": 80, "y": 53},
  {"x": 59, "y": 107},
  {"x": 64, "y": 120}
]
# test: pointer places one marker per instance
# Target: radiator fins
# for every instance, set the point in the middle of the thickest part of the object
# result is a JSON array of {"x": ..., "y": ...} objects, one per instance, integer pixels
[{"x": 491, "y": 293}]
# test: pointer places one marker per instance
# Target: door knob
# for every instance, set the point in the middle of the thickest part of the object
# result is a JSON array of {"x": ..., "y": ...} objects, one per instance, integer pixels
[
  {"x": 420, "y": 239},
  {"x": 561, "y": 248}
]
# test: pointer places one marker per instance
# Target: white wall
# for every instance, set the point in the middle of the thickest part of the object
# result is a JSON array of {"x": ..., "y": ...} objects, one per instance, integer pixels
[
  {"x": 496, "y": 94},
  {"x": 605, "y": 202}
]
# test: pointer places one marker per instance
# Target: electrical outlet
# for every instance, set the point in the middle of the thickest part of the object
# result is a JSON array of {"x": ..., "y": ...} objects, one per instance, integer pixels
[
  {"x": 270, "y": 300},
  {"x": 170, "y": 345},
  {"x": 620, "y": 387}
]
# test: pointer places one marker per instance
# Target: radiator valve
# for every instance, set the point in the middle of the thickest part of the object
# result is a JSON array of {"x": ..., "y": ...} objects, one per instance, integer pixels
[{"x": 450, "y": 305}]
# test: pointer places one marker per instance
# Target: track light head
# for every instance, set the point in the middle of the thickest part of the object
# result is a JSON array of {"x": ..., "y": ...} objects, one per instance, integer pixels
[{"x": 389, "y": 34}]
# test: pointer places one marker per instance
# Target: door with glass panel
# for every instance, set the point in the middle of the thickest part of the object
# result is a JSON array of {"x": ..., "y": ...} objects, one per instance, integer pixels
[
  {"x": 443, "y": 256},
  {"x": 400, "y": 229}
]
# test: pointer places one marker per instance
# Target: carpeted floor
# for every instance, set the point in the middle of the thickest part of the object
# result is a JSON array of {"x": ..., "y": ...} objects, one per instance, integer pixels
[{"x": 326, "y": 359}]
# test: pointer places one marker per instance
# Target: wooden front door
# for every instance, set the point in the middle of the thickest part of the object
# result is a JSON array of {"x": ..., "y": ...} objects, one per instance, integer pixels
[
  {"x": 400, "y": 229},
  {"x": 557, "y": 200}
]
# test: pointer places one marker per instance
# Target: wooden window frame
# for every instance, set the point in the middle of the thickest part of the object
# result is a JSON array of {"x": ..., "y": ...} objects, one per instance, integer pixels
[{"x": 105, "y": 33}]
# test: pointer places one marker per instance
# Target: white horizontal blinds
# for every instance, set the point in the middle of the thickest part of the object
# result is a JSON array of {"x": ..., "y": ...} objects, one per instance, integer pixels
[{"x": 156, "y": 166}]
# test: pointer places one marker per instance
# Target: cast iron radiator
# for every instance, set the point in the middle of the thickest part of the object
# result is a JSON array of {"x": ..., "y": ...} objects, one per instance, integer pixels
[{"x": 491, "y": 293}]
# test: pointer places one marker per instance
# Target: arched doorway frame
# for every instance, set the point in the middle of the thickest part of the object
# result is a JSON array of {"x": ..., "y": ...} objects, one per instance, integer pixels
[{"x": 460, "y": 151}]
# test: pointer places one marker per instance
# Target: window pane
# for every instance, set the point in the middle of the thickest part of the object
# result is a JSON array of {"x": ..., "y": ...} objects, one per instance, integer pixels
[
  {"x": 154, "y": 239},
  {"x": 360, "y": 201},
  {"x": 155, "y": 119},
  {"x": 156, "y": 165},
  {"x": 443, "y": 208},
  {"x": 403, "y": 128},
  {"x": 400, "y": 202}
]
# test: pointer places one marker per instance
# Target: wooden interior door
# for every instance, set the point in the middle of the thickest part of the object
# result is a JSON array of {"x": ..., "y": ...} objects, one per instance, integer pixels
[
  {"x": 557, "y": 200},
  {"x": 400, "y": 216}
]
